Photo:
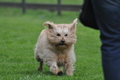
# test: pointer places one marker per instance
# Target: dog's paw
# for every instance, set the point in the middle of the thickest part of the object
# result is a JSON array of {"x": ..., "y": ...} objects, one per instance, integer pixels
[
  {"x": 39, "y": 69},
  {"x": 60, "y": 73},
  {"x": 69, "y": 74}
]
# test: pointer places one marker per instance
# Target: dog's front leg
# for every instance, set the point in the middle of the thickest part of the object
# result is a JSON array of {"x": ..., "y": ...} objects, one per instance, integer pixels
[
  {"x": 55, "y": 70},
  {"x": 69, "y": 69}
]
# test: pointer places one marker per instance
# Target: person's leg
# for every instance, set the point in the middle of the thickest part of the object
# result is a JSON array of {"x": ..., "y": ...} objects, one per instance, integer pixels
[{"x": 107, "y": 13}]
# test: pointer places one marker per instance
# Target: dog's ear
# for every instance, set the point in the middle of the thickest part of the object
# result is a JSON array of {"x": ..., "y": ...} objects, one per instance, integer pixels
[
  {"x": 73, "y": 26},
  {"x": 49, "y": 24}
]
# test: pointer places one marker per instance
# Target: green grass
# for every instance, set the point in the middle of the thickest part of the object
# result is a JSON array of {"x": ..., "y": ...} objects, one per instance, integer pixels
[{"x": 19, "y": 33}]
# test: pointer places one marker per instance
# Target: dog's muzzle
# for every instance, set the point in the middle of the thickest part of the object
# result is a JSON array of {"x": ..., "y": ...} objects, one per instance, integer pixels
[{"x": 62, "y": 43}]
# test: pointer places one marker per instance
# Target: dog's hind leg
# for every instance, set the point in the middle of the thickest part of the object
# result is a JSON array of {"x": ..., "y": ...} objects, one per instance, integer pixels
[
  {"x": 40, "y": 66},
  {"x": 41, "y": 63}
]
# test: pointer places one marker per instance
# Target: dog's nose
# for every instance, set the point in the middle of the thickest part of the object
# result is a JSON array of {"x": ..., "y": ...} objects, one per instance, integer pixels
[{"x": 62, "y": 41}]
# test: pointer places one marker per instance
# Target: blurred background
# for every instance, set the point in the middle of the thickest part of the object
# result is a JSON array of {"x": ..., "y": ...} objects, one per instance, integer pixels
[
  {"x": 51, "y": 5},
  {"x": 48, "y": 1}
]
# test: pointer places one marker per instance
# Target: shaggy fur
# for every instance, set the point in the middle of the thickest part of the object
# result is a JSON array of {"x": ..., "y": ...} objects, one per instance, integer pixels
[{"x": 55, "y": 47}]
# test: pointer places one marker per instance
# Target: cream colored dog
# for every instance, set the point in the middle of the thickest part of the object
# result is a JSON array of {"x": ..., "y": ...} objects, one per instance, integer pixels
[{"x": 55, "y": 47}]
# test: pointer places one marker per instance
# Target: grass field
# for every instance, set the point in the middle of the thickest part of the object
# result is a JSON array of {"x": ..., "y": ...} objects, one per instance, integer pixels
[{"x": 19, "y": 33}]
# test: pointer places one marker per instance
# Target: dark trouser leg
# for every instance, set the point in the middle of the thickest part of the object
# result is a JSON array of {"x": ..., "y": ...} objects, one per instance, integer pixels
[{"x": 107, "y": 14}]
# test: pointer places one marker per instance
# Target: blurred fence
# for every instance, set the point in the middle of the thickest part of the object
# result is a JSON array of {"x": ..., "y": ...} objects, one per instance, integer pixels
[{"x": 51, "y": 7}]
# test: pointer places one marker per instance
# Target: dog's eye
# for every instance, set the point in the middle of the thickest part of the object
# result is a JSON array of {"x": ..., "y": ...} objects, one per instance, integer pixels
[
  {"x": 58, "y": 34},
  {"x": 66, "y": 34}
]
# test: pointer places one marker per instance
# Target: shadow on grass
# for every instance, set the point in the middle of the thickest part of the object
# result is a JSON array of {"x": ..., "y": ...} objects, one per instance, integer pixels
[{"x": 35, "y": 72}]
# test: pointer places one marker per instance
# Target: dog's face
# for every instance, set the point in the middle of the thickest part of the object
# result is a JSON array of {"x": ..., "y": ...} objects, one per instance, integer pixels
[{"x": 61, "y": 35}]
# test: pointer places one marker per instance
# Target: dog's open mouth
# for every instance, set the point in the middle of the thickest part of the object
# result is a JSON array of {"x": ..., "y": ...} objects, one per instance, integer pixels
[{"x": 62, "y": 44}]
